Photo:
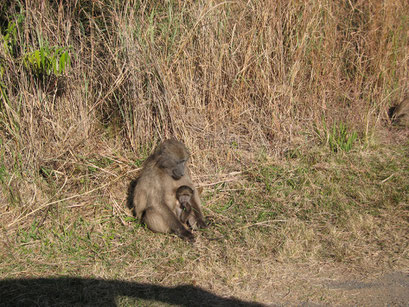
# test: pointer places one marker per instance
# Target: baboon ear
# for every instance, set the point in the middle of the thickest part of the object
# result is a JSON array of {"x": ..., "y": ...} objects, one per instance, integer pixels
[{"x": 200, "y": 190}]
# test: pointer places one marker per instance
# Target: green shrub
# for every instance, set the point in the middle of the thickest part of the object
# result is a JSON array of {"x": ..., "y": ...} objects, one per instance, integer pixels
[{"x": 46, "y": 61}]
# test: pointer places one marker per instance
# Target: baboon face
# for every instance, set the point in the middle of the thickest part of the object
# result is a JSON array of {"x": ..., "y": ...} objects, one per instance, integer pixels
[
  {"x": 184, "y": 198},
  {"x": 184, "y": 194},
  {"x": 173, "y": 156}
]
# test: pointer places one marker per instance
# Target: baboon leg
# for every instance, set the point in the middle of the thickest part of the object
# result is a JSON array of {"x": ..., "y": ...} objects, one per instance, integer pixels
[
  {"x": 179, "y": 213},
  {"x": 184, "y": 216},
  {"x": 196, "y": 220},
  {"x": 155, "y": 221},
  {"x": 165, "y": 221}
]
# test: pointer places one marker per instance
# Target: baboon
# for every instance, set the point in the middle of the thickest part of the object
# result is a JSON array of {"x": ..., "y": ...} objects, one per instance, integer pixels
[
  {"x": 152, "y": 196},
  {"x": 400, "y": 113},
  {"x": 183, "y": 209}
]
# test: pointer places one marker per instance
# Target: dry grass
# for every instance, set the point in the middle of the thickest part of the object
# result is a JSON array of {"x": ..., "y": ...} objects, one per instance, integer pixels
[
  {"x": 284, "y": 224},
  {"x": 255, "y": 90}
]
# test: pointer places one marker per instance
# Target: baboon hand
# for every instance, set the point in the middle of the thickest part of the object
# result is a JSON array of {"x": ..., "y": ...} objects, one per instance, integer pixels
[
  {"x": 187, "y": 235},
  {"x": 201, "y": 224}
]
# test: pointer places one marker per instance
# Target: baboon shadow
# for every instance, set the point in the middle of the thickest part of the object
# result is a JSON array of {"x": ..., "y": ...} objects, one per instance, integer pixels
[
  {"x": 68, "y": 291},
  {"x": 129, "y": 195}
]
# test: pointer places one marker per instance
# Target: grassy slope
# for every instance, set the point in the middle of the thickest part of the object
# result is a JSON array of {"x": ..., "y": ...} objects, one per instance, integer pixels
[{"x": 313, "y": 209}]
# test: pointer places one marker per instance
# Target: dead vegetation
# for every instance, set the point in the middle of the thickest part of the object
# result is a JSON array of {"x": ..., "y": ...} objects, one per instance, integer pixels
[{"x": 284, "y": 107}]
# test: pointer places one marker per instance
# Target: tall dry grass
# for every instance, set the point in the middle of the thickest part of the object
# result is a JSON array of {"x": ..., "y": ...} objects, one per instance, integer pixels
[{"x": 210, "y": 72}]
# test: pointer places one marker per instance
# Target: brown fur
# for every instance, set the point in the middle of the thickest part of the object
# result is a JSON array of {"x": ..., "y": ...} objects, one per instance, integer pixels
[
  {"x": 400, "y": 113},
  {"x": 152, "y": 196}
]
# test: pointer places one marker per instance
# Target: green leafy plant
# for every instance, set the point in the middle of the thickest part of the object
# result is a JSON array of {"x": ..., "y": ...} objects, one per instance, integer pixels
[
  {"x": 46, "y": 61},
  {"x": 9, "y": 39}
]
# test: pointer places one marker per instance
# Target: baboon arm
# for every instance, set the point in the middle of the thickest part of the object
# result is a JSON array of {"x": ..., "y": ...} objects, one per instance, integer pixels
[
  {"x": 197, "y": 211},
  {"x": 140, "y": 203}
]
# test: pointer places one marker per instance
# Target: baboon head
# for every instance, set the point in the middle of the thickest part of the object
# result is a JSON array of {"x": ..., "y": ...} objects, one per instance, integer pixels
[
  {"x": 172, "y": 158},
  {"x": 184, "y": 194}
]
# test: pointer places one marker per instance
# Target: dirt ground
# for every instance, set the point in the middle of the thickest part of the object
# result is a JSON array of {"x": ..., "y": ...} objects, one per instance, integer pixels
[
  {"x": 326, "y": 289},
  {"x": 389, "y": 290}
]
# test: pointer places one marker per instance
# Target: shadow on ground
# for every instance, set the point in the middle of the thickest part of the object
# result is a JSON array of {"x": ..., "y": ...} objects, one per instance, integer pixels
[{"x": 98, "y": 292}]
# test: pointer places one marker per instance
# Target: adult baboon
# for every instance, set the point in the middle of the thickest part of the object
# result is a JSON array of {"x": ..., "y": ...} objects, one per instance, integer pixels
[
  {"x": 152, "y": 196},
  {"x": 183, "y": 209}
]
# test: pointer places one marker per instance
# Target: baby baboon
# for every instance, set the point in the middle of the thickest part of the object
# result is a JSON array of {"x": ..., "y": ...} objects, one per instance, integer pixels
[
  {"x": 152, "y": 196},
  {"x": 183, "y": 209}
]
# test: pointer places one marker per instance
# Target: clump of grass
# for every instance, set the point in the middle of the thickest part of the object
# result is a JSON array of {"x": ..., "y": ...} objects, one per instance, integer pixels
[
  {"x": 9, "y": 38},
  {"x": 338, "y": 137}
]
